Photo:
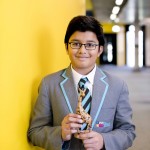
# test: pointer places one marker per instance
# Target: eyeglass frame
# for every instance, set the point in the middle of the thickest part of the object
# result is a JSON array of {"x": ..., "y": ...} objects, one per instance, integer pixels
[{"x": 83, "y": 44}]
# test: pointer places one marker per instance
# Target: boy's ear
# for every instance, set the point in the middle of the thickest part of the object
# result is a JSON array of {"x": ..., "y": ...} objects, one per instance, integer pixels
[
  {"x": 100, "y": 50},
  {"x": 66, "y": 47}
]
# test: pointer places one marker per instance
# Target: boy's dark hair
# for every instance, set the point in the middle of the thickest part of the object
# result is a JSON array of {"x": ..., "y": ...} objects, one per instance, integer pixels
[{"x": 82, "y": 24}]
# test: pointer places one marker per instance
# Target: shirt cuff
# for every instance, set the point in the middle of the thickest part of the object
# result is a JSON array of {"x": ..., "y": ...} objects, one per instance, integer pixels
[{"x": 65, "y": 145}]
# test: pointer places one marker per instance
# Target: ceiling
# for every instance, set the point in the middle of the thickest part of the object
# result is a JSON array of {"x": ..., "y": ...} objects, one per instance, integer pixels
[{"x": 132, "y": 11}]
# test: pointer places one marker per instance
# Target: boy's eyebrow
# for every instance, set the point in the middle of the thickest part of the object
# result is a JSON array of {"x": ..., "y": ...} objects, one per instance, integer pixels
[
  {"x": 76, "y": 40},
  {"x": 91, "y": 41}
]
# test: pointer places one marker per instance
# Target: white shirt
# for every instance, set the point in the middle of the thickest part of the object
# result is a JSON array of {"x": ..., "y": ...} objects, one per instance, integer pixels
[{"x": 90, "y": 76}]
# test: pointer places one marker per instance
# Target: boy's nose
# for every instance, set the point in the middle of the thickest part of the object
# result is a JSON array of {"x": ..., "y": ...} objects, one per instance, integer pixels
[{"x": 82, "y": 49}]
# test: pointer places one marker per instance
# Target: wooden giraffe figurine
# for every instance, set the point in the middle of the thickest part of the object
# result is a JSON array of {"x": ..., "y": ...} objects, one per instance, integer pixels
[{"x": 80, "y": 110}]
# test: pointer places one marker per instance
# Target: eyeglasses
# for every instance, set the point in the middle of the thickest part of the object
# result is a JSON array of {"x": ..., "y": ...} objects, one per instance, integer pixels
[{"x": 88, "y": 46}]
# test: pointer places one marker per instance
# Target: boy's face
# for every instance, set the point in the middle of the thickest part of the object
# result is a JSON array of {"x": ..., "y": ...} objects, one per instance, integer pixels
[{"x": 82, "y": 60}]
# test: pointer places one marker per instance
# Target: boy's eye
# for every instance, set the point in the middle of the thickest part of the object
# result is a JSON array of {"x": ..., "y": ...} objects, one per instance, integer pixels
[
  {"x": 89, "y": 45},
  {"x": 76, "y": 44}
]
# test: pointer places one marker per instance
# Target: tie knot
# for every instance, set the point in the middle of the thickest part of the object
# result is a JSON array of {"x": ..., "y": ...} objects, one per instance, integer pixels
[{"x": 82, "y": 82}]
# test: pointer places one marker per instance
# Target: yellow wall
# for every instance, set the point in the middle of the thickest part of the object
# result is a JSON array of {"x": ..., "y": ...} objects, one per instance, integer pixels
[
  {"x": 89, "y": 5},
  {"x": 31, "y": 46},
  {"x": 107, "y": 27}
]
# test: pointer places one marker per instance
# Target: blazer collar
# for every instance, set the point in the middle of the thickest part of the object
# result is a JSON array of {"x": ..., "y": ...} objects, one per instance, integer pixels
[
  {"x": 68, "y": 90},
  {"x": 100, "y": 88}
]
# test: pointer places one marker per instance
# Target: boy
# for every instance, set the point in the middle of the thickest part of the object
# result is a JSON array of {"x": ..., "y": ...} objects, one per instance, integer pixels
[{"x": 54, "y": 121}]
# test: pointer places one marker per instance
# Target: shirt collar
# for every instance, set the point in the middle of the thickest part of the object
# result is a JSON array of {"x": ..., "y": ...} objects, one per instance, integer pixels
[{"x": 78, "y": 76}]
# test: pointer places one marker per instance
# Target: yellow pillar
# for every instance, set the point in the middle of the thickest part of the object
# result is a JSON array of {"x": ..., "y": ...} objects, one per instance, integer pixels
[{"x": 31, "y": 46}]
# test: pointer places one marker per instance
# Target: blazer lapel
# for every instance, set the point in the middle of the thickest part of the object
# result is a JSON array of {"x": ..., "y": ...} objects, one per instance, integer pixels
[
  {"x": 69, "y": 90},
  {"x": 100, "y": 89}
]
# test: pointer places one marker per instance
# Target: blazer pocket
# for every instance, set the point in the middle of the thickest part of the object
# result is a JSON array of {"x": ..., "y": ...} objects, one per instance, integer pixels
[{"x": 104, "y": 122}]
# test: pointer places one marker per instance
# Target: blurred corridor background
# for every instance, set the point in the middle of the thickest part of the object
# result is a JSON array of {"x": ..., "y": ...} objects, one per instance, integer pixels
[
  {"x": 139, "y": 93},
  {"x": 31, "y": 46}
]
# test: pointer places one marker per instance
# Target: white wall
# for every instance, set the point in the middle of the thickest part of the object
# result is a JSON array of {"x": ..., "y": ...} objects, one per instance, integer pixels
[{"x": 147, "y": 46}]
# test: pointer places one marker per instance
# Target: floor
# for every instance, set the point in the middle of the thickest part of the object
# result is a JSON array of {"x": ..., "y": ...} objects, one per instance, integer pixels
[{"x": 139, "y": 88}]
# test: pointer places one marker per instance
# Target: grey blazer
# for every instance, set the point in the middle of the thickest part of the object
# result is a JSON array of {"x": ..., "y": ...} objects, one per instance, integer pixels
[{"x": 110, "y": 110}]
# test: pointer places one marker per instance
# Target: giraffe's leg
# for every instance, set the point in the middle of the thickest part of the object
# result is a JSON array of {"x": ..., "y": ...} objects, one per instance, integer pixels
[{"x": 89, "y": 128}]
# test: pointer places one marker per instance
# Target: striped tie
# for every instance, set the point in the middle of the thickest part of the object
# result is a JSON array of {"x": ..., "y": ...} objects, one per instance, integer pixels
[{"x": 86, "y": 101}]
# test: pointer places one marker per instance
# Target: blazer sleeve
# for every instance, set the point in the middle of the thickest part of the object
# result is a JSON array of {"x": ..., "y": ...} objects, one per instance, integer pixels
[
  {"x": 123, "y": 134},
  {"x": 41, "y": 132}
]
